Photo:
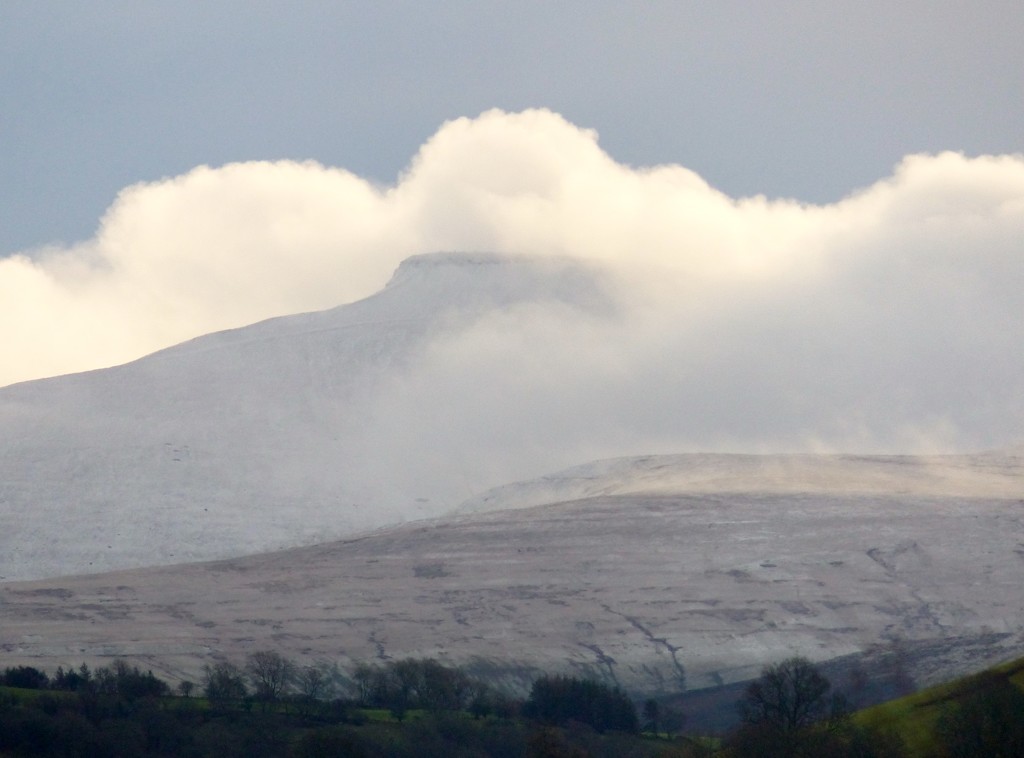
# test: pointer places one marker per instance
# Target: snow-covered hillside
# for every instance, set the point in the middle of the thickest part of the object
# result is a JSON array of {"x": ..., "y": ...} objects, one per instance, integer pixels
[
  {"x": 467, "y": 371},
  {"x": 252, "y": 439},
  {"x": 994, "y": 474},
  {"x": 325, "y": 432},
  {"x": 654, "y": 591}
]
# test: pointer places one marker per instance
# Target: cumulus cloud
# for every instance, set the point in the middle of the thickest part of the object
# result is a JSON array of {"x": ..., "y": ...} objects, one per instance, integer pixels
[{"x": 893, "y": 317}]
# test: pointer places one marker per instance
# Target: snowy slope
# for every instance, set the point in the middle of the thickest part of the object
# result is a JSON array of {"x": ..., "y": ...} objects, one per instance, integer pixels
[
  {"x": 653, "y": 592},
  {"x": 996, "y": 474},
  {"x": 245, "y": 440}
]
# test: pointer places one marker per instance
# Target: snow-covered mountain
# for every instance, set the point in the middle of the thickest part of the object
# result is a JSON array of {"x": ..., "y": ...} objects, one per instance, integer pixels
[
  {"x": 678, "y": 579},
  {"x": 252, "y": 439},
  {"x": 317, "y": 433}
]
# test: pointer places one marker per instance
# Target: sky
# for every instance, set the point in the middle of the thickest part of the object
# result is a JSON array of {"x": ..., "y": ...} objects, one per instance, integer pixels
[
  {"x": 809, "y": 100},
  {"x": 818, "y": 179}
]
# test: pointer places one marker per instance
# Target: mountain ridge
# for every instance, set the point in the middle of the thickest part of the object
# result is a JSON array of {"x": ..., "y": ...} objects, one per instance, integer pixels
[
  {"x": 996, "y": 474},
  {"x": 244, "y": 440}
]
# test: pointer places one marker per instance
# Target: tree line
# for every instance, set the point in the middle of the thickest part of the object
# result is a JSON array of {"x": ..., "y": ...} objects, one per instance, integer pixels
[{"x": 268, "y": 705}]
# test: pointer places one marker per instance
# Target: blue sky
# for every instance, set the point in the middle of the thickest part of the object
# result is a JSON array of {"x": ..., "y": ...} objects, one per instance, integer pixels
[{"x": 795, "y": 99}]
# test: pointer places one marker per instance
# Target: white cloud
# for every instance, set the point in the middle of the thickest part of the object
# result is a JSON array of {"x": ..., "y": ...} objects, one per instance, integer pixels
[{"x": 892, "y": 317}]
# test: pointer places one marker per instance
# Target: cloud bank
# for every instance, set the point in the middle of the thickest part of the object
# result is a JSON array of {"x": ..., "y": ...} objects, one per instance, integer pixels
[{"x": 891, "y": 318}]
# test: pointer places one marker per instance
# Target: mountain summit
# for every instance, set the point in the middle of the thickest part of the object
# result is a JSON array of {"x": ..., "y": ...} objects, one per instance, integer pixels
[{"x": 250, "y": 439}]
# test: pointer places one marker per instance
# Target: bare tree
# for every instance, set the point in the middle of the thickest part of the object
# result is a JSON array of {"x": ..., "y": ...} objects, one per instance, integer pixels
[
  {"x": 223, "y": 683},
  {"x": 311, "y": 682},
  {"x": 313, "y": 685},
  {"x": 270, "y": 673},
  {"x": 365, "y": 677},
  {"x": 788, "y": 696}
]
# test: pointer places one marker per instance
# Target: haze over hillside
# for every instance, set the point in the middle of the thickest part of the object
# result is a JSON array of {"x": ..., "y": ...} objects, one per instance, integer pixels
[
  {"x": 252, "y": 439},
  {"x": 468, "y": 371},
  {"x": 453, "y": 394}
]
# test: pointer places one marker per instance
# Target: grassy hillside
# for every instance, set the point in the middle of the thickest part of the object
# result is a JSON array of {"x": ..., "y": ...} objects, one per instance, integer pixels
[{"x": 916, "y": 718}]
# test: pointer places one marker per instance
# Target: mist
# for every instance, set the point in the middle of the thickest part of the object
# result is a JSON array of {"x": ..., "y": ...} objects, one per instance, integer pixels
[{"x": 888, "y": 321}]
